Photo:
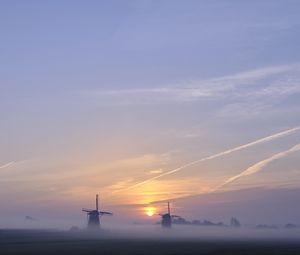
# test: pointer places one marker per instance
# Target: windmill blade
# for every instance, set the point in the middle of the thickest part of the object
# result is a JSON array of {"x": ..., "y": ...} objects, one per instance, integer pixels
[
  {"x": 175, "y": 216},
  {"x": 86, "y": 210},
  {"x": 106, "y": 213}
]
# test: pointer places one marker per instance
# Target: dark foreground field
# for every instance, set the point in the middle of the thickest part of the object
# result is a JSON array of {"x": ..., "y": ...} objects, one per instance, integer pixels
[{"x": 51, "y": 242}]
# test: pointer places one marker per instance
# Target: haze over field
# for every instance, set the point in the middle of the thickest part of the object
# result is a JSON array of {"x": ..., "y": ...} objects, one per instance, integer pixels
[{"x": 197, "y": 102}]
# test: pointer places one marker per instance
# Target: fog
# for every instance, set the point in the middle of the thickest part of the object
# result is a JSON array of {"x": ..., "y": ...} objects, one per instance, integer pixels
[
  {"x": 201, "y": 233},
  {"x": 182, "y": 232},
  {"x": 34, "y": 236}
]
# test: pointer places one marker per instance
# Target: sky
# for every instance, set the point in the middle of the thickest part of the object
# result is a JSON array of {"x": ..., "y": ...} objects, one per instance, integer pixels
[{"x": 99, "y": 96}]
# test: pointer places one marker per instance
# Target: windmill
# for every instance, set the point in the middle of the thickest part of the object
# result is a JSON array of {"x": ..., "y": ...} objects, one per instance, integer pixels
[
  {"x": 95, "y": 215},
  {"x": 166, "y": 219}
]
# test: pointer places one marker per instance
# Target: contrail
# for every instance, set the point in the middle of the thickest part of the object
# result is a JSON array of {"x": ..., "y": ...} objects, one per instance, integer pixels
[
  {"x": 260, "y": 165},
  {"x": 262, "y": 140},
  {"x": 13, "y": 163},
  {"x": 7, "y": 164}
]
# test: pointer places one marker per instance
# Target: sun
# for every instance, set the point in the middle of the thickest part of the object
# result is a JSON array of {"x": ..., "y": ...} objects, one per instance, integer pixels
[{"x": 150, "y": 211}]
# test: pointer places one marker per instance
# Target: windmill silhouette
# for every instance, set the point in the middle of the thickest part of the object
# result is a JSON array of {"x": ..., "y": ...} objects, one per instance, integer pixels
[
  {"x": 95, "y": 215},
  {"x": 166, "y": 219}
]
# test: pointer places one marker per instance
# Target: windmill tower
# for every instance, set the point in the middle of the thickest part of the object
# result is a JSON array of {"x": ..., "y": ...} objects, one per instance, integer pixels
[
  {"x": 95, "y": 215},
  {"x": 166, "y": 219}
]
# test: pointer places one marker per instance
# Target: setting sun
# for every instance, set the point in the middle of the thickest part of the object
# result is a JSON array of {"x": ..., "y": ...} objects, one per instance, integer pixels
[{"x": 150, "y": 211}]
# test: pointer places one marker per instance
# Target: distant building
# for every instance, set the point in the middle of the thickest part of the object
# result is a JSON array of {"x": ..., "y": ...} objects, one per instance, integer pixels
[
  {"x": 234, "y": 222},
  {"x": 166, "y": 218},
  {"x": 94, "y": 216}
]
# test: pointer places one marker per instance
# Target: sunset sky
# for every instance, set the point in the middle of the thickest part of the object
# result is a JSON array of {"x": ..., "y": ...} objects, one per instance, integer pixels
[{"x": 98, "y": 96}]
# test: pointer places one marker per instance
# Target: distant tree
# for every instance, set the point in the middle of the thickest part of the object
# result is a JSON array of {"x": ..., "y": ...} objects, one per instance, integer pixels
[
  {"x": 208, "y": 223},
  {"x": 196, "y": 222},
  {"x": 220, "y": 224},
  {"x": 181, "y": 221},
  {"x": 30, "y": 218},
  {"x": 290, "y": 225},
  {"x": 266, "y": 226}
]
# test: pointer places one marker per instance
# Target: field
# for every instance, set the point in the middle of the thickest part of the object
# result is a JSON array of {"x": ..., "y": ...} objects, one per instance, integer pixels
[{"x": 59, "y": 242}]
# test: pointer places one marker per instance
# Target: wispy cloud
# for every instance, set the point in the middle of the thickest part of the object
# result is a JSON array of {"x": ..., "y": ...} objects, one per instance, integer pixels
[
  {"x": 265, "y": 82},
  {"x": 7, "y": 164},
  {"x": 260, "y": 165},
  {"x": 147, "y": 95},
  {"x": 156, "y": 171},
  {"x": 247, "y": 145},
  {"x": 12, "y": 163}
]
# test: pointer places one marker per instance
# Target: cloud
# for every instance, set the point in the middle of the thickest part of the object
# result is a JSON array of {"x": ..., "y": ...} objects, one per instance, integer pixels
[
  {"x": 260, "y": 165},
  {"x": 146, "y": 95},
  {"x": 247, "y": 145},
  {"x": 120, "y": 185},
  {"x": 7, "y": 164},
  {"x": 13, "y": 163},
  {"x": 268, "y": 82},
  {"x": 156, "y": 171}
]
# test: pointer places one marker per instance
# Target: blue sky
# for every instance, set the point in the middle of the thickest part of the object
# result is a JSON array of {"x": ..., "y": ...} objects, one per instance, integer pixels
[{"x": 99, "y": 95}]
